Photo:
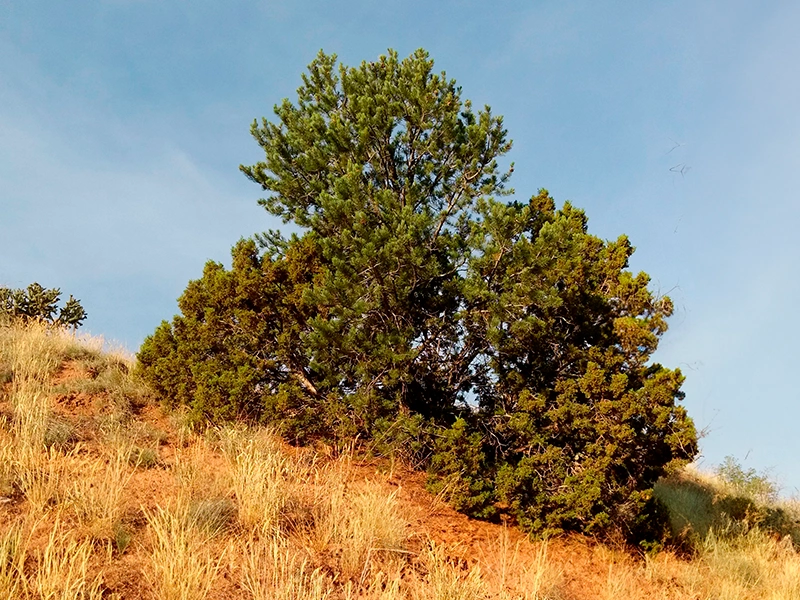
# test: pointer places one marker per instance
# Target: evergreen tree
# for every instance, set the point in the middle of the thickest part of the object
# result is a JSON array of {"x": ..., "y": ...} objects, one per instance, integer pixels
[
  {"x": 507, "y": 341},
  {"x": 38, "y": 303}
]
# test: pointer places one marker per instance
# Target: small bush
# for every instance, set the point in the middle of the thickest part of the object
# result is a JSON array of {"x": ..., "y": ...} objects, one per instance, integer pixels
[
  {"x": 145, "y": 458},
  {"x": 749, "y": 483},
  {"x": 35, "y": 303},
  {"x": 698, "y": 506},
  {"x": 59, "y": 433},
  {"x": 212, "y": 516}
]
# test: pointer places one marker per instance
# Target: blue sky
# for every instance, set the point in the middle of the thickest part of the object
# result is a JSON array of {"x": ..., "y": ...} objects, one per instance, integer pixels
[{"x": 123, "y": 122}]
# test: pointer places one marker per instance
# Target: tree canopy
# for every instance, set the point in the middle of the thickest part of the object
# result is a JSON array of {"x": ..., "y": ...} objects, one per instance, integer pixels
[{"x": 498, "y": 341}]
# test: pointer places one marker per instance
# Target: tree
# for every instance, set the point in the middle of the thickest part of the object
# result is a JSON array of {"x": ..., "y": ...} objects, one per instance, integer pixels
[
  {"x": 509, "y": 342},
  {"x": 578, "y": 425},
  {"x": 383, "y": 164},
  {"x": 38, "y": 303},
  {"x": 236, "y": 352}
]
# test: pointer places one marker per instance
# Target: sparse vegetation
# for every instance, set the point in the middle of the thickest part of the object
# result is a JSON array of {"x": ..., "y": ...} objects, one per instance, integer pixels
[
  {"x": 724, "y": 506},
  {"x": 235, "y": 513}
]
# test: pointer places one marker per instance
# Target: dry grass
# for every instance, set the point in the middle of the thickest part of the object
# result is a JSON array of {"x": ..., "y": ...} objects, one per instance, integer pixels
[
  {"x": 359, "y": 524},
  {"x": 273, "y": 571},
  {"x": 754, "y": 566},
  {"x": 182, "y": 565},
  {"x": 97, "y": 494},
  {"x": 261, "y": 477},
  {"x": 446, "y": 580},
  {"x": 63, "y": 569},
  {"x": 12, "y": 561},
  {"x": 237, "y": 514},
  {"x": 518, "y": 576}
]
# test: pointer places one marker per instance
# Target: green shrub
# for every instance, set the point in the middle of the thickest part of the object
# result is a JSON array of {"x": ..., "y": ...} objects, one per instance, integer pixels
[
  {"x": 749, "y": 483},
  {"x": 504, "y": 341},
  {"x": 38, "y": 303}
]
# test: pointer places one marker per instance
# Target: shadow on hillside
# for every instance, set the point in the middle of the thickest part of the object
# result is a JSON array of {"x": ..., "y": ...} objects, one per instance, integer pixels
[{"x": 697, "y": 507}]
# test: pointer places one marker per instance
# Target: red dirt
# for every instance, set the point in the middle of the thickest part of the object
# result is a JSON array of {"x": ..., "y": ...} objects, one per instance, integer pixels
[{"x": 584, "y": 563}]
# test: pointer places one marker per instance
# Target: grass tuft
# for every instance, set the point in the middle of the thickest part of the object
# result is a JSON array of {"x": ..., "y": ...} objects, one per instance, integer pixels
[
  {"x": 12, "y": 562},
  {"x": 97, "y": 495},
  {"x": 361, "y": 524},
  {"x": 182, "y": 565},
  {"x": 446, "y": 579},
  {"x": 260, "y": 478},
  {"x": 62, "y": 569},
  {"x": 271, "y": 571}
]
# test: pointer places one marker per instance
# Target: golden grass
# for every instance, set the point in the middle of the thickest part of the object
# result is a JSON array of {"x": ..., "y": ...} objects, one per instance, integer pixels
[
  {"x": 41, "y": 475},
  {"x": 38, "y": 470},
  {"x": 182, "y": 566},
  {"x": 12, "y": 561},
  {"x": 448, "y": 581},
  {"x": 358, "y": 522},
  {"x": 518, "y": 578},
  {"x": 273, "y": 571},
  {"x": 261, "y": 477},
  {"x": 62, "y": 569},
  {"x": 236, "y": 514},
  {"x": 754, "y": 565},
  {"x": 97, "y": 494}
]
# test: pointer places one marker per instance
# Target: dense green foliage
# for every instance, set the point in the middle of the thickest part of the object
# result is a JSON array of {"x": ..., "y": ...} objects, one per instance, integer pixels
[
  {"x": 508, "y": 347},
  {"x": 38, "y": 303}
]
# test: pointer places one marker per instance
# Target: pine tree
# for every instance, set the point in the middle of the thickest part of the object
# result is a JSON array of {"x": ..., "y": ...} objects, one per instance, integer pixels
[{"x": 507, "y": 343}]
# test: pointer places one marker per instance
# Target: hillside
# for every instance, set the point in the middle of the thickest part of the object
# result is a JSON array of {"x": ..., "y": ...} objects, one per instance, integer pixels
[{"x": 103, "y": 494}]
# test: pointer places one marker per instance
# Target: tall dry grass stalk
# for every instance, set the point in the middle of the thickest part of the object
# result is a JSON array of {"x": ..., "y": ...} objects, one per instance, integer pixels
[
  {"x": 755, "y": 565},
  {"x": 8, "y": 453},
  {"x": 540, "y": 580},
  {"x": 12, "y": 561},
  {"x": 204, "y": 488},
  {"x": 262, "y": 478},
  {"x": 511, "y": 577},
  {"x": 445, "y": 580},
  {"x": 32, "y": 352},
  {"x": 362, "y": 524},
  {"x": 271, "y": 571},
  {"x": 381, "y": 586},
  {"x": 182, "y": 564},
  {"x": 41, "y": 476},
  {"x": 32, "y": 412},
  {"x": 97, "y": 494},
  {"x": 38, "y": 470},
  {"x": 62, "y": 569}
]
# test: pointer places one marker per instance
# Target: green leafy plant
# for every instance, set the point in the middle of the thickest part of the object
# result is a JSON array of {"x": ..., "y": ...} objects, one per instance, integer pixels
[
  {"x": 747, "y": 482},
  {"x": 38, "y": 303},
  {"x": 510, "y": 344}
]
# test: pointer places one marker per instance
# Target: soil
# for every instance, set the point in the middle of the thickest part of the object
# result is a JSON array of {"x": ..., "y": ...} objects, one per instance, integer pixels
[{"x": 584, "y": 564}]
